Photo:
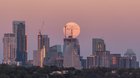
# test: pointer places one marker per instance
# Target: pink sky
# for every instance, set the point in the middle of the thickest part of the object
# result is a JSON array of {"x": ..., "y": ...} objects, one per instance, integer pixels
[{"x": 116, "y": 21}]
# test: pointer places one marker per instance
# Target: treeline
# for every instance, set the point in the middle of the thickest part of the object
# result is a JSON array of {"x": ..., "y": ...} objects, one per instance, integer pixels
[{"x": 7, "y": 71}]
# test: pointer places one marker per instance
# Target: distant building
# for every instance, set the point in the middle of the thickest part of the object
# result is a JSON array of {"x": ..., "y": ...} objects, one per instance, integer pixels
[
  {"x": 115, "y": 60},
  {"x": 39, "y": 57},
  {"x": 129, "y": 60},
  {"x": 55, "y": 56},
  {"x": 21, "y": 41},
  {"x": 98, "y": 45},
  {"x": 36, "y": 56},
  {"x": 9, "y": 48},
  {"x": 91, "y": 61},
  {"x": 43, "y": 41},
  {"x": 29, "y": 63},
  {"x": 41, "y": 54},
  {"x": 72, "y": 53},
  {"x": 125, "y": 62},
  {"x": 101, "y": 56},
  {"x": 84, "y": 63}
]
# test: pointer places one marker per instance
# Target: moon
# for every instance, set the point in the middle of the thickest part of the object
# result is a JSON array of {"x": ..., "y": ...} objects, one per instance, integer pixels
[{"x": 71, "y": 29}]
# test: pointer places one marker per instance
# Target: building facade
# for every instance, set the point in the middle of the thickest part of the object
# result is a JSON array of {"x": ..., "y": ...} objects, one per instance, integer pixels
[
  {"x": 91, "y": 61},
  {"x": 41, "y": 54},
  {"x": 101, "y": 56},
  {"x": 55, "y": 56},
  {"x": 71, "y": 53},
  {"x": 9, "y": 48},
  {"x": 21, "y": 41},
  {"x": 98, "y": 45},
  {"x": 43, "y": 41},
  {"x": 39, "y": 57},
  {"x": 115, "y": 60},
  {"x": 129, "y": 60}
]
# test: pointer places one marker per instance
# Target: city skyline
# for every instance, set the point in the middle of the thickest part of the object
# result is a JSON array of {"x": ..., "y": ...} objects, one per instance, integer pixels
[{"x": 118, "y": 25}]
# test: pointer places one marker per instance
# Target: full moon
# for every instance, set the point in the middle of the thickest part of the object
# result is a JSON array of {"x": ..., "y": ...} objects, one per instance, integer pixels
[{"x": 71, "y": 29}]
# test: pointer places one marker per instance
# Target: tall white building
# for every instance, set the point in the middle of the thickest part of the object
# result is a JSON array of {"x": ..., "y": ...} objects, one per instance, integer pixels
[
  {"x": 71, "y": 46},
  {"x": 39, "y": 57},
  {"x": 71, "y": 54},
  {"x": 9, "y": 47}
]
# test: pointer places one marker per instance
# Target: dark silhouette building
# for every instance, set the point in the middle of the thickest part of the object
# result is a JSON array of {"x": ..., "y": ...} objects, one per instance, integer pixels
[{"x": 21, "y": 41}]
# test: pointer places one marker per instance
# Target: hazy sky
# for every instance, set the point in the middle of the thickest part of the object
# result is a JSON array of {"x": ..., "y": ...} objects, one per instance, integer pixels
[{"x": 116, "y": 21}]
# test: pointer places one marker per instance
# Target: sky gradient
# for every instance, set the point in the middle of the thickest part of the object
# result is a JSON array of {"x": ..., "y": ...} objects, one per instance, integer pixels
[{"x": 116, "y": 21}]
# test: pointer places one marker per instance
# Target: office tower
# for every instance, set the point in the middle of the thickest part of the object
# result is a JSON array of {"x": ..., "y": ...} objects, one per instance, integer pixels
[
  {"x": 36, "y": 56},
  {"x": 131, "y": 58},
  {"x": 99, "y": 51},
  {"x": 43, "y": 41},
  {"x": 91, "y": 61},
  {"x": 98, "y": 45},
  {"x": 84, "y": 63},
  {"x": 9, "y": 47},
  {"x": 21, "y": 41},
  {"x": 71, "y": 53},
  {"x": 39, "y": 57},
  {"x": 71, "y": 45},
  {"x": 55, "y": 56},
  {"x": 41, "y": 54},
  {"x": 125, "y": 62},
  {"x": 115, "y": 60}
]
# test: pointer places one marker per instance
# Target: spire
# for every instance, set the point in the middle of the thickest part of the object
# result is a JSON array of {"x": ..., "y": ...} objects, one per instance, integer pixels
[{"x": 65, "y": 31}]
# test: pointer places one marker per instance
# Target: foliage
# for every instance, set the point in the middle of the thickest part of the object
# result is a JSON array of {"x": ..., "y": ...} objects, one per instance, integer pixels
[{"x": 7, "y": 71}]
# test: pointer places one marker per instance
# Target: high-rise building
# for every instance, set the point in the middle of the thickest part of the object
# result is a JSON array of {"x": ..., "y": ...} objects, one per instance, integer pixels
[
  {"x": 129, "y": 60},
  {"x": 98, "y": 45},
  {"x": 125, "y": 62},
  {"x": 83, "y": 62},
  {"x": 99, "y": 51},
  {"x": 71, "y": 53},
  {"x": 91, "y": 61},
  {"x": 21, "y": 41},
  {"x": 39, "y": 57},
  {"x": 115, "y": 60},
  {"x": 9, "y": 47},
  {"x": 55, "y": 56},
  {"x": 43, "y": 41}
]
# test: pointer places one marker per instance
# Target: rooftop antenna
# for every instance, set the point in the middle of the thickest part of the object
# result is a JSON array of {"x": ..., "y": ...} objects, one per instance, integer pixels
[
  {"x": 42, "y": 26},
  {"x": 72, "y": 31},
  {"x": 65, "y": 31}
]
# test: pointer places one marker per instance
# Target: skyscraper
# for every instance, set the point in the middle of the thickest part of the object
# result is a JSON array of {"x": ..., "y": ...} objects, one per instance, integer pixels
[
  {"x": 99, "y": 51},
  {"x": 21, "y": 41},
  {"x": 43, "y": 41},
  {"x": 71, "y": 46},
  {"x": 98, "y": 45},
  {"x": 36, "y": 58},
  {"x": 129, "y": 60},
  {"x": 9, "y": 47},
  {"x": 55, "y": 56},
  {"x": 39, "y": 57},
  {"x": 115, "y": 60},
  {"x": 91, "y": 61},
  {"x": 71, "y": 53}
]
